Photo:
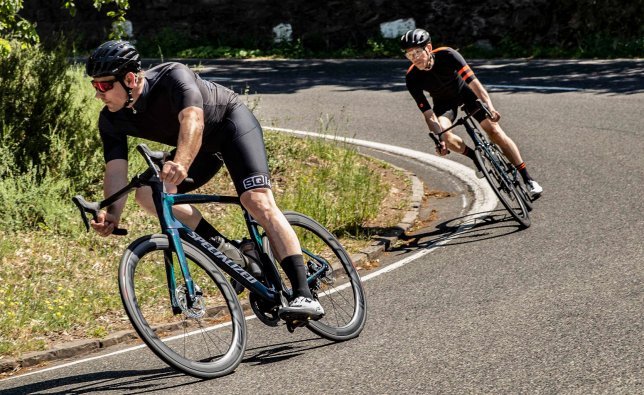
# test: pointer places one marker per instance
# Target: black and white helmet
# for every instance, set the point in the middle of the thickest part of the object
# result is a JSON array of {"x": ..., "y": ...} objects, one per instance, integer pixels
[
  {"x": 415, "y": 38},
  {"x": 113, "y": 58}
]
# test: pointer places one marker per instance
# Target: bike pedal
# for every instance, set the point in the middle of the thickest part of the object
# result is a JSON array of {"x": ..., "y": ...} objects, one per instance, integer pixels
[{"x": 292, "y": 325}]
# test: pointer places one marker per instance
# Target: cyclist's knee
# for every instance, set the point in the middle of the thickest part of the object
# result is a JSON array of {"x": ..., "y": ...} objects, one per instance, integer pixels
[
  {"x": 452, "y": 139},
  {"x": 495, "y": 132},
  {"x": 444, "y": 122},
  {"x": 259, "y": 202}
]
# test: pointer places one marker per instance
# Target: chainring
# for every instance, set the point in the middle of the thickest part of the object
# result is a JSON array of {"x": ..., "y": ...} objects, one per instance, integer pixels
[{"x": 264, "y": 312}]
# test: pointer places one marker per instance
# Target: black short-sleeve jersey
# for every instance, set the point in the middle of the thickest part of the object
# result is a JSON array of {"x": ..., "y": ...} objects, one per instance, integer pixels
[
  {"x": 168, "y": 89},
  {"x": 445, "y": 81}
]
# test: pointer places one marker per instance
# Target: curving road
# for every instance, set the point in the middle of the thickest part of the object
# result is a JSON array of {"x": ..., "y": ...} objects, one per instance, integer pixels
[{"x": 556, "y": 308}]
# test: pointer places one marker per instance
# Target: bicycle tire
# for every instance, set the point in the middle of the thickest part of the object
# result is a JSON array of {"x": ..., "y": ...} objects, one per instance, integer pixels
[
  {"x": 206, "y": 347},
  {"x": 502, "y": 186},
  {"x": 516, "y": 179},
  {"x": 340, "y": 291}
]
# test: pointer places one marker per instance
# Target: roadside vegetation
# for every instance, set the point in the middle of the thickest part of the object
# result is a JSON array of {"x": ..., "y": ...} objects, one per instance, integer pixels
[
  {"x": 171, "y": 44},
  {"x": 58, "y": 282}
]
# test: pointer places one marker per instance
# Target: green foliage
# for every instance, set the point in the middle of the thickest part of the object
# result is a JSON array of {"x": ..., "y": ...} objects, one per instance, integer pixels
[
  {"x": 49, "y": 143},
  {"x": 328, "y": 181},
  {"x": 383, "y": 48},
  {"x": 294, "y": 50},
  {"x": 166, "y": 42},
  {"x": 205, "y": 52},
  {"x": 14, "y": 27},
  {"x": 5, "y": 48}
]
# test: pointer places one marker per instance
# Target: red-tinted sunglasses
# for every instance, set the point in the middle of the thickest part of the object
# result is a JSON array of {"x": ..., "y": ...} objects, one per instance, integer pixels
[{"x": 103, "y": 86}]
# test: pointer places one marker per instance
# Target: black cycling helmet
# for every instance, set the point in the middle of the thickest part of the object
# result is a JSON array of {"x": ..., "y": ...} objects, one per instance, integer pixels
[
  {"x": 415, "y": 38},
  {"x": 113, "y": 58}
]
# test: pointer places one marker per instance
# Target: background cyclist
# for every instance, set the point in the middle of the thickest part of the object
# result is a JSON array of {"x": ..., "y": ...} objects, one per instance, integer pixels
[
  {"x": 206, "y": 123},
  {"x": 451, "y": 82}
]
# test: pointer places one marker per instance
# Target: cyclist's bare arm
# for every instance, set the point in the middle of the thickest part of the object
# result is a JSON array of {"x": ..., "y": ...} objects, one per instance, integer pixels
[
  {"x": 435, "y": 127},
  {"x": 115, "y": 179},
  {"x": 480, "y": 92},
  {"x": 190, "y": 133}
]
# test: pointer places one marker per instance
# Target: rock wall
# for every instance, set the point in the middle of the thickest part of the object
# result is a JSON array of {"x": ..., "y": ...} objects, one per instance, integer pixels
[{"x": 335, "y": 23}]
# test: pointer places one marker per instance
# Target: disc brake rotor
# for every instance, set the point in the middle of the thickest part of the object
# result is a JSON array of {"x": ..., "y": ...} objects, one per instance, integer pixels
[{"x": 198, "y": 309}]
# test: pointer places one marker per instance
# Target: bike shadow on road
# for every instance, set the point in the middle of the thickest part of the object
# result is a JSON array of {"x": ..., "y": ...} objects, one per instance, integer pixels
[
  {"x": 263, "y": 355},
  {"x": 155, "y": 380},
  {"x": 114, "y": 381},
  {"x": 461, "y": 230}
]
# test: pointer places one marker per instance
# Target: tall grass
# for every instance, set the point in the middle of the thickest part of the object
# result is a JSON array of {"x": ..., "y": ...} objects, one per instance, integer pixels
[
  {"x": 49, "y": 143},
  {"x": 58, "y": 282}
]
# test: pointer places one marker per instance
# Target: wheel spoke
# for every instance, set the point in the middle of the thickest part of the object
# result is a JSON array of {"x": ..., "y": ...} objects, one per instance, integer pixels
[
  {"x": 495, "y": 168},
  {"x": 206, "y": 340}
]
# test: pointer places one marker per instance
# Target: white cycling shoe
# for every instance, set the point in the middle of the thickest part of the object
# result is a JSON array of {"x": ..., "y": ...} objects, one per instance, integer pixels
[
  {"x": 302, "y": 309},
  {"x": 534, "y": 188}
]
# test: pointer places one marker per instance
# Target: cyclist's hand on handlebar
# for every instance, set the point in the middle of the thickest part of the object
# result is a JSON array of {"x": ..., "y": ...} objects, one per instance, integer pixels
[
  {"x": 173, "y": 172},
  {"x": 441, "y": 149},
  {"x": 105, "y": 223},
  {"x": 496, "y": 116}
]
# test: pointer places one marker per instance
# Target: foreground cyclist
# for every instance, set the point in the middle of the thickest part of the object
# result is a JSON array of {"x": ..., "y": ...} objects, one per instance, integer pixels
[
  {"x": 206, "y": 123},
  {"x": 450, "y": 82}
]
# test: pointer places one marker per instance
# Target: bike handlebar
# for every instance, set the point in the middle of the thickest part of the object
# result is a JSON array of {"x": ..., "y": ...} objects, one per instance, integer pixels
[
  {"x": 155, "y": 161},
  {"x": 93, "y": 208}
]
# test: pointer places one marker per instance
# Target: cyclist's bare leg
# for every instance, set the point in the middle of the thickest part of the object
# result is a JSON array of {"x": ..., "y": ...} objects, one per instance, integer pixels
[
  {"x": 261, "y": 205},
  {"x": 498, "y": 137},
  {"x": 185, "y": 213},
  {"x": 453, "y": 142}
]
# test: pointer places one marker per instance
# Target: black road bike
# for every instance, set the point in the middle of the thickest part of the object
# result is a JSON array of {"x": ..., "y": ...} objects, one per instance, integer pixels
[
  {"x": 183, "y": 306},
  {"x": 502, "y": 176}
]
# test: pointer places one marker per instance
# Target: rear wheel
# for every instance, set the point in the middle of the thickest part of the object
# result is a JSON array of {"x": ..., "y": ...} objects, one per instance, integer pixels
[
  {"x": 338, "y": 288},
  {"x": 206, "y": 339},
  {"x": 493, "y": 168}
]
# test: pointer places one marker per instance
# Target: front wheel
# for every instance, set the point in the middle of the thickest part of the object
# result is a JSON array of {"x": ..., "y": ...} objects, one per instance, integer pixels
[
  {"x": 339, "y": 288},
  {"x": 490, "y": 162},
  {"x": 205, "y": 339}
]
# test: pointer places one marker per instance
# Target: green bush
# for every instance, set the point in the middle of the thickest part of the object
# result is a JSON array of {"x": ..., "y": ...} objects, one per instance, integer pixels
[
  {"x": 166, "y": 43},
  {"x": 49, "y": 143}
]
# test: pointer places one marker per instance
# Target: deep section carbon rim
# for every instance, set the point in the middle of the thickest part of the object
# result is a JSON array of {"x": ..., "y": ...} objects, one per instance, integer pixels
[
  {"x": 339, "y": 288},
  {"x": 206, "y": 339},
  {"x": 502, "y": 186}
]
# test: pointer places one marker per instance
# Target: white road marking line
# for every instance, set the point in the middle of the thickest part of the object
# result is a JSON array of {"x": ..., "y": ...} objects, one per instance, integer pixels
[{"x": 484, "y": 200}]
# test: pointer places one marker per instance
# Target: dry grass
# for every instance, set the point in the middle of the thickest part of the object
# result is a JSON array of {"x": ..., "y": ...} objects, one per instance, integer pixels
[{"x": 63, "y": 287}]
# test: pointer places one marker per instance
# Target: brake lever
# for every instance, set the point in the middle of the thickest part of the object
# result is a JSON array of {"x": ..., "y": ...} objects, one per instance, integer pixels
[
  {"x": 437, "y": 141},
  {"x": 483, "y": 107},
  {"x": 92, "y": 208}
]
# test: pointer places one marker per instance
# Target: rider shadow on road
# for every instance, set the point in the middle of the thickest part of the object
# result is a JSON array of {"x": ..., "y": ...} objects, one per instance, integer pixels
[
  {"x": 119, "y": 381},
  {"x": 155, "y": 380},
  {"x": 466, "y": 229},
  {"x": 263, "y": 355}
]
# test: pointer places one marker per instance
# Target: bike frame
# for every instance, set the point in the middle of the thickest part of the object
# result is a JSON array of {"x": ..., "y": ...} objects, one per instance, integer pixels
[
  {"x": 483, "y": 143},
  {"x": 274, "y": 291},
  {"x": 473, "y": 132},
  {"x": 176, "y": 231}
]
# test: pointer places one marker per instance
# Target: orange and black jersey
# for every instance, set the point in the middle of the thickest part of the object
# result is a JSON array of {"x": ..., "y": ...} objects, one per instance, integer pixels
[{"x": 445, "y": 82}]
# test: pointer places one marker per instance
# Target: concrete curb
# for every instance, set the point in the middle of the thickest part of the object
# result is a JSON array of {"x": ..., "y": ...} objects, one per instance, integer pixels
[{"x": 83, "y": 347}]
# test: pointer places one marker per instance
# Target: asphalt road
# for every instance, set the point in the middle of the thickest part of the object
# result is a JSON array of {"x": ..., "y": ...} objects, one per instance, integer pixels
[{"x": 556, "y": 308}]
